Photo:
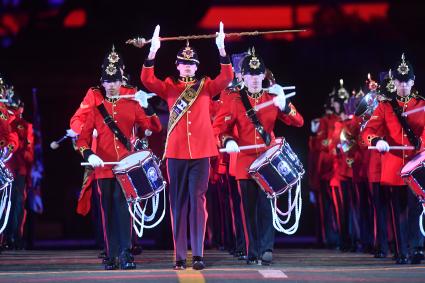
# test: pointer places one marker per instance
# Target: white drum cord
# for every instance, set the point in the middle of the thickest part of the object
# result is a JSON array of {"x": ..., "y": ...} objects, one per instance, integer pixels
[
  {"x": 294, "y": 205},
  {"x": 139, "y": 214},
  {"x": 421, "y": 223},
  {"x": 5, "y": 204}
]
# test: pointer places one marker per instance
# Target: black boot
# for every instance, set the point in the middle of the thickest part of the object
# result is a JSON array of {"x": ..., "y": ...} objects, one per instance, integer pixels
[
  {"x": 127, "y": 260},
  {"x": 198, "y": 263},
  {"x": 111, "y": 263},
  {"x": 180, "y": 265}
]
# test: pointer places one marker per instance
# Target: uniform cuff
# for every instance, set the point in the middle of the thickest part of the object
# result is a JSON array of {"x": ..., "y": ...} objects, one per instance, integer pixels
[
  {"x": 224, "y": 60},
  {"x": 374, "y": 141},
  {"x": 86, "y": 153},
  {"x": 149, "y": 63},
  {"x": 149, "y": 111}
]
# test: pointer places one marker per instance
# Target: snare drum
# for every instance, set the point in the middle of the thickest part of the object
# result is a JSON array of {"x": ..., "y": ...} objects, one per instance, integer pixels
[
  {"x": 413, "y": 174},
  {"x": 274, "y": 171},
  {"x": 139, "y": 176},
  {"x": 6, "y": 176}
]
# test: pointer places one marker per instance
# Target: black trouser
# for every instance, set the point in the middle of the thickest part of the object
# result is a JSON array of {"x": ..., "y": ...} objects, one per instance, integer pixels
[
  {"x": 14, "y": 230},
  {"x": 259, "y": 230},
  {"x": 188, "y": 184},
  {"x": 240, "y": 245},
  {"x": 115, "y": 217},
  {"x": 382, "y": 198},
  {"x": 366, "y": 215},
  {"x": 406, "y": 210}
]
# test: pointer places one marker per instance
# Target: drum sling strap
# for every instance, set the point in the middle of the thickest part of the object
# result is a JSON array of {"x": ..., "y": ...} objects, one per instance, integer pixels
[
  {"x": 414, "y": 140},
  {"x": 113, "y": 126},
  {"x": 250, "y": 112}
]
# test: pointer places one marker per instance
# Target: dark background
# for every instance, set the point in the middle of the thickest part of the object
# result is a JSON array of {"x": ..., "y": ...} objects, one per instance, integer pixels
[{"x": 61, "y": 61}]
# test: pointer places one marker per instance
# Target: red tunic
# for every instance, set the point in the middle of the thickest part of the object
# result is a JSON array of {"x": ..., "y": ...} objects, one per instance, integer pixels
[
  {"x": 233, "y": 114},
  {"x": 23, "y": 158},
  {"x": 384, "y": 124},
  {"x": 326, "y": 157},
  {"x": 193, "y": 136},
  {"x": 126, "y": 113}
]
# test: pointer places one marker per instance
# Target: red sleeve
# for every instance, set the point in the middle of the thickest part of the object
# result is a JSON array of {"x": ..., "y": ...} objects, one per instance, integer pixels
[
  {"x": 92, "y": 99},
  {"x": 293, "y": 118},
  {"x": 374, "y": 126},
  {"x": 222, "y": 80},
  {"x": 224, "y": 122},
  {"x": 152, "y": 123},
  {"x": 152, "y": 83},
  {"x": 85, "y": 138}
]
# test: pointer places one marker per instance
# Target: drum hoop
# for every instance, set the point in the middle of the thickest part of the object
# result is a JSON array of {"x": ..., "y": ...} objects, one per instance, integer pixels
[
  {"x": 162, "y": 187},
  {"x": 418, "y": 166},
  {"x": 268, "y": 159}
]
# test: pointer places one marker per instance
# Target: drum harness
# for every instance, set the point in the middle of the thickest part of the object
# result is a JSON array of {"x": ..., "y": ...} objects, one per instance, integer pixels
[
  {"x": 135, "y": 209},
  {"x": 295, "y": 203}
]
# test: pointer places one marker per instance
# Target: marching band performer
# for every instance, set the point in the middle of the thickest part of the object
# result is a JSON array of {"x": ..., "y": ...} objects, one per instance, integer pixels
[
  {"x": 20, "y": 163},
  {"x": 113, "y": 120},
  {"x": 400, "y": 131},
  {"x": 190, "y": 141},
  {"x": 259, "y": 231}
]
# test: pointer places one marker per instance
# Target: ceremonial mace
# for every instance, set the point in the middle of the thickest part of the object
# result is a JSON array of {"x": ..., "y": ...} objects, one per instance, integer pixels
[{"x": 140, "y": 41}]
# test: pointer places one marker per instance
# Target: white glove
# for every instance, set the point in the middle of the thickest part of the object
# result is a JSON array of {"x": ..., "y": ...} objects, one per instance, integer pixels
[
  {"x": 280, "y": 101},
  {"x": 148, "y": 132},
  {"x": 232, "y": 146},
  {"x": 276, "y": 89},
  {"x": 37, "y": 204},
  {"x": 315, "y": 125},
  {"x": 142, "y": 97},
  {"x": 382, "y": 146},
  {"x": 219, "y": 40},
  {"x": 155, "y": 42},
  {"x": 94, "y": 134},
  {"x": 70, "y": 133},
  {"x": 95, "y": 161}
]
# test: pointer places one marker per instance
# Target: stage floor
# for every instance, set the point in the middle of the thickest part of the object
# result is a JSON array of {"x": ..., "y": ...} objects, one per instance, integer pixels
[{"x": 292, "y": 265}]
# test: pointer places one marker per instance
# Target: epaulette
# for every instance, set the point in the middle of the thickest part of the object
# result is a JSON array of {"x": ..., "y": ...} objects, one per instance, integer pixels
[
  {"x": 417, "y": 96},
  {"x": 95, "y": 88}
]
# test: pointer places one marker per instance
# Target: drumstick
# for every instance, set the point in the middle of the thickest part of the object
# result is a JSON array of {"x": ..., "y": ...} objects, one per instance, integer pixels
[
  {"x": 55, "y": 144},
  {"x": 419, "y": 109},
  {"x": 395, "y": 147},
  {"x": 122, "y": 96},
  {"x": 4, "y": 100},
  {"x": 291, "y": 87},
  {"x": 105, "y": 163},
  {"x": 268, "y": 103},
  {"x": 245, "y": 147}
]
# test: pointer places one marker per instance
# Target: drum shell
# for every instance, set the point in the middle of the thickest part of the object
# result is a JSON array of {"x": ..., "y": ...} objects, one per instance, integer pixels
[
  {"x": 415, "y": 179},
  {"x": 141, "y": 180},
  {"x": 271, "y": 180}
]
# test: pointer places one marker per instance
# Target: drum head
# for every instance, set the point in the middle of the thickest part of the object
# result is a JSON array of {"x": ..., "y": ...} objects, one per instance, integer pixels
[
  {"x": 132, "y": 160},
  {"x": 261, "y": 159},
  {"x": 417, "y": 161}
]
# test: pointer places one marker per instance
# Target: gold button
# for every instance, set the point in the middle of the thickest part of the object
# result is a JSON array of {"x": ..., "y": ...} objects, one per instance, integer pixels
[
  {"x": 116, "y": 138},
  {"x": 258, "y": 138},
  {"x": 189, "y": 133},
  {"x": 405, "y": 135},
  {"x": 118, "y": 146},
  {"x": 189, "y": 122},
  {"x": 116, "y": 121},
  {"x": 188, "y": 111},
  {"x": 115, "y": 113}
]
